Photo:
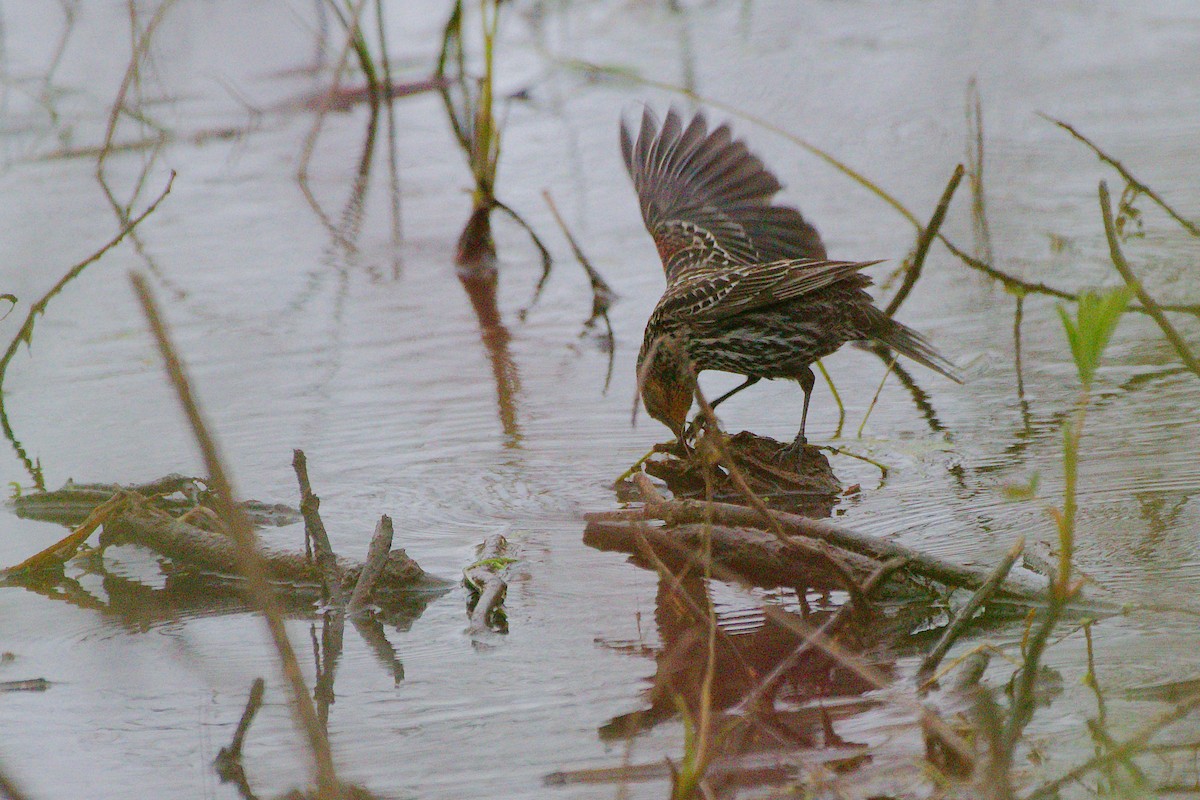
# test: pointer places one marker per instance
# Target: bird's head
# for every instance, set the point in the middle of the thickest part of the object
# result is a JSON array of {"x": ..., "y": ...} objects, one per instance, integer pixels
[{"x": 666, "y": 381}]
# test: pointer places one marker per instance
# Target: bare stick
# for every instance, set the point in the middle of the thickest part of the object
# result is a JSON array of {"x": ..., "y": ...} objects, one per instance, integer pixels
[
  {"x": 808, "y": 547},
  {"x": 747, "y": 555},
  {"x": 963, "y": 619},
  {"x": 314, "y": 530},
  {"x": 253, "y": 704},
  {"x": 1152, "y": 308},
  {"x": 377, "y": 555},
  {"x": 1191, "y": 227},
  {"x": 242, "y": 533},
  {"x": 924, "y": 240}
]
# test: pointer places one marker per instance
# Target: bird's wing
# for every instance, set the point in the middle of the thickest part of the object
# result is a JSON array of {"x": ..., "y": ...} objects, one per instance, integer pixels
[
  {"x": 707, "y": 295},
  {"x": 703, "y": 193}
]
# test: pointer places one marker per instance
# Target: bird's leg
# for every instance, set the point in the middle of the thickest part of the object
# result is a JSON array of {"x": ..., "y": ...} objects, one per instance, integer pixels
[
  {"x": 807, "y": 381},
  {"x": 695, "y": 423},
  {"x": 749, "y": 382}
]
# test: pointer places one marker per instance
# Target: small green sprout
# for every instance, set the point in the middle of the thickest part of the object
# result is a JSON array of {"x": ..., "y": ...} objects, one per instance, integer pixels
[{"x": 1097, "y": 316}]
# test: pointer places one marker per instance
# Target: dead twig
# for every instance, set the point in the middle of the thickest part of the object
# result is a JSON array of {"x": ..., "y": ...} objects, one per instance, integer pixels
[
  {"x": 314, "y": 531},
  {"x": 751, "y": 556},
  {"x": 1141, "y": 188},
  {"x": 1152, "y": 307},
  {"x": 377, "y": 555},
  {"x": 924, "y": 240},
  {"x": 324, "y": 774},
  {"x": 962, "y": 620},
  {"x": 1024, "y": 585},
  {"x": 146, "y": 525}
]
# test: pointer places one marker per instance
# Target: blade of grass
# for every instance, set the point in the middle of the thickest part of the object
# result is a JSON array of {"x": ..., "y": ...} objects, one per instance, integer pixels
[
  {"x": 242, "y": 533},
  {"x": 1152, "y": 308}
]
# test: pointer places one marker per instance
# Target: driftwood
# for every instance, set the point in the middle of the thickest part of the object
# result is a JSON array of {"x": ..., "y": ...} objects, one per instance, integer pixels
[
  {"x": 71, "y": 504},
  {"x": 756, "y": 556},
  {"x": 213, "y": 552},
  {"x": 1020, "y": 583}
]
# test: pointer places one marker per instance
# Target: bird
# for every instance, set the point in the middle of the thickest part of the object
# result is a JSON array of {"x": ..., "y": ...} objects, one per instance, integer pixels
[{"x": 750, "y": 287}]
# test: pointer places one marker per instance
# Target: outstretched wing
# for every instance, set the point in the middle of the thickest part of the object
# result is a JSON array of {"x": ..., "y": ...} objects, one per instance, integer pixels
[
  {"x": 706, "y": 199},
  {"x": 700, "y": 296}
]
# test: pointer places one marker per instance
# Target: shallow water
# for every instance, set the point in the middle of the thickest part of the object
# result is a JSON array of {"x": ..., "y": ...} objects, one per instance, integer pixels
[{"x": 370, "y": 358}]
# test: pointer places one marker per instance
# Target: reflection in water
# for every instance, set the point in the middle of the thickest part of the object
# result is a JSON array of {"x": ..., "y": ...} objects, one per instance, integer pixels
[
  {"x": 481, "y": 289},
  {"x": 345, "y": 230},
  {"x": 709, "y": 662},
  {"x": 476, "y": 260}
]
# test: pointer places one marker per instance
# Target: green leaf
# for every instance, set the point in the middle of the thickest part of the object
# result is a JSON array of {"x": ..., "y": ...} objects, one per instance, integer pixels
[{"x": 1097, "y": 315}]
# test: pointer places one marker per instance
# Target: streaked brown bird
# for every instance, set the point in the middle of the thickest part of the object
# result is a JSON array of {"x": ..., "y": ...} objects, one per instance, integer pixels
[{"x": 749, "y": 287}]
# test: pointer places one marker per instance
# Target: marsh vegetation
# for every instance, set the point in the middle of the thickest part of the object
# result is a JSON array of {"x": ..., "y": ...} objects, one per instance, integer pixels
[{"x": 386, "y": 261}]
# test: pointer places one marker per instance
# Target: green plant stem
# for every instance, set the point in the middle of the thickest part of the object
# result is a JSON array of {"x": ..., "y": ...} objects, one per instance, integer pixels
[
  {"x": 1072, "y": 433},
  {"x": 837, "y": 398},
  {"x": 1131, "y": 746},
  {"x": 1152, "y": 307},
  {"x": 875, "y": 398}
]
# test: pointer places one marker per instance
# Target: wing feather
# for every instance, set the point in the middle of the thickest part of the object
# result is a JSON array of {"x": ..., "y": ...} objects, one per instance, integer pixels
[
  {"x": 698, "y": 188},
  {"x": 705, "y": 295}
]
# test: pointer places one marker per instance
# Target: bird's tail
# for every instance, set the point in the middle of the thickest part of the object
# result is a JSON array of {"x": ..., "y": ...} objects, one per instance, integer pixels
[{"x": 908, "y": 342}]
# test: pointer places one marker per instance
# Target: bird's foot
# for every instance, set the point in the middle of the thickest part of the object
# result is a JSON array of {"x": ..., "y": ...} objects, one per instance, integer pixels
[{"x": 793, "y": 451}]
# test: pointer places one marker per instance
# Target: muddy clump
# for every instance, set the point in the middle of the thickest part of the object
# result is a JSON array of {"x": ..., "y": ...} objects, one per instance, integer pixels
[{"x": 802, "y": 482}]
